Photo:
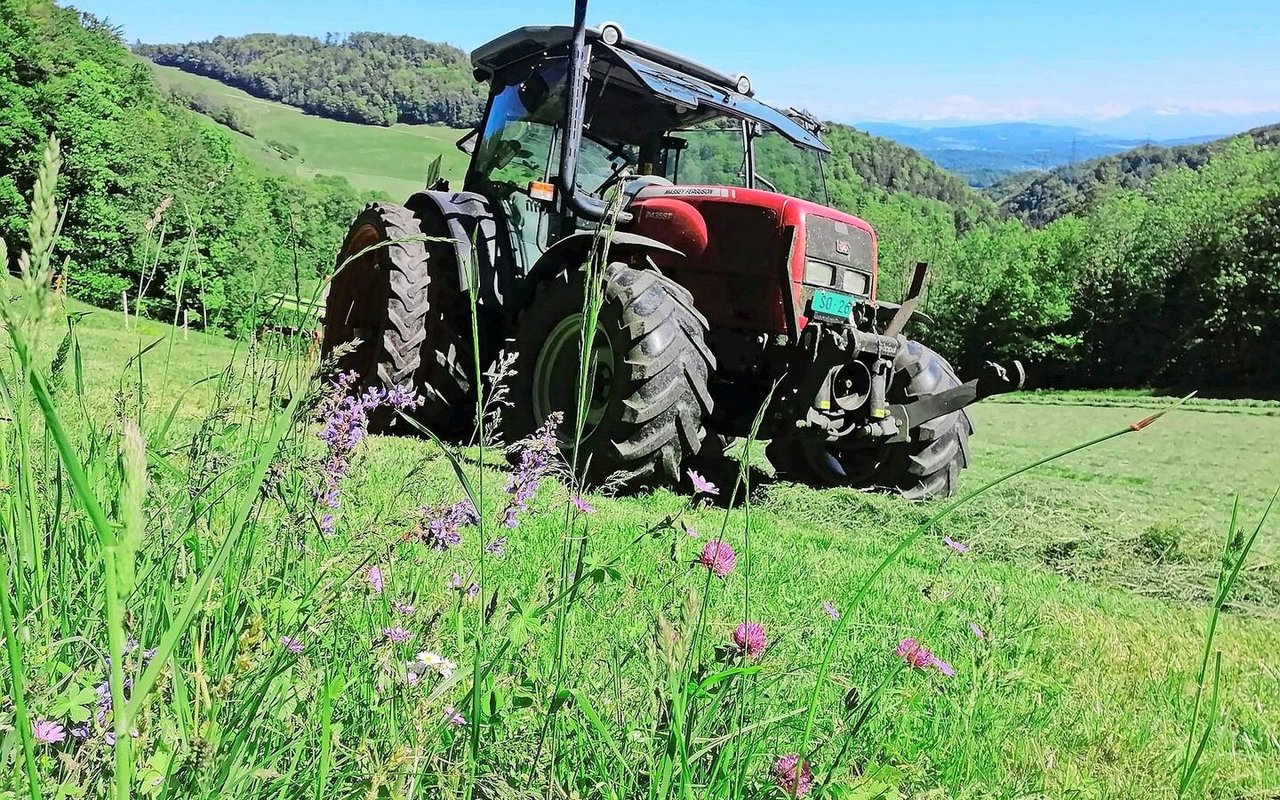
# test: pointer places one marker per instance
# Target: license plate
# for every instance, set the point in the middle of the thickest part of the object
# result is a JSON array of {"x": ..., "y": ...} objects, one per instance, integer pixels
[{"x": 832, "y": 304}]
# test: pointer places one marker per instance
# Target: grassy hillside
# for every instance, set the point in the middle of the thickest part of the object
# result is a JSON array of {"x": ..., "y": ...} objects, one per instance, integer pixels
[
  {"x": 1088, "y": 579},
  {"x": 1039, "y": 198},
  {"x": 372, "y": 158},
  {"x": 863, "y": 168}
]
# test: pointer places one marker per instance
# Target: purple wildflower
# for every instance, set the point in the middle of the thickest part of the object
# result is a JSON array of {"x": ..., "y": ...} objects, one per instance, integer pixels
[
  {"x": 497, "y": 548},
  {"x": 749, "y": 639},
  {"x": 326, "y": 523},
  {"x": 454, "y": 582},
  {"x": 831, "y": 609},
  {"x": 918, "y": 656},
  {"x": 403, "y": 608},
  {"x": 959, "y": 547},
  {"x": 47, "y": 731},
  {"x": 472, "y": 590},
  {"x": 793, "y": 776},
  {"x": 440, "y": 526},
  {"x": 397, "y": 635},
  {"x": 701, "y": 485},
  {"x": 977, "y": 631},
  {"x": 374, "y": 578},
  {"x": 291, "y": 644},
  {"x": 718, "y": 557},
  {"x": 583, "y": 505},
  {"x": 110, "y": 737},
  {"x": 454, "y": 717},
  {"x": 81, "y": 731},
  {"x": 345, "y": 418},
  {"x": 535, "y": 462}
]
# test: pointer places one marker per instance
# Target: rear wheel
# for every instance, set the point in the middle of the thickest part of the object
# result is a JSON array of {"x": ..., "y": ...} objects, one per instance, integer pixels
[
  {"x": 396, "y": 317},
  {"x": 926, "y": 467},
  {"x": 649, "y": 365}
]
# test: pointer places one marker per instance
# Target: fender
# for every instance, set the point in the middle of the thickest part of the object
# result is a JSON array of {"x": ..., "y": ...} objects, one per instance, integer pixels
[
  {"x": 571, "y": 251},
  {"x": 471, "y": 225}
]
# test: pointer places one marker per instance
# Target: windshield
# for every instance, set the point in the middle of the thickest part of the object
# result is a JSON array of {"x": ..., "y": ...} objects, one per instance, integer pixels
[{"x": 714, "y": 153}]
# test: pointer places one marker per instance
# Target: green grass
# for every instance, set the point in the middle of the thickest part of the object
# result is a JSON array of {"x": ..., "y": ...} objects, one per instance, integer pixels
[
  {"x": 392, "y": 160},
  {"x": 161, "y": 503},
  {"x": 1083, "y": 574}
]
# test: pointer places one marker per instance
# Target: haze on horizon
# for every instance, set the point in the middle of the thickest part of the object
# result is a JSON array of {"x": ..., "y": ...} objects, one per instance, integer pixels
[{"x": 1122, "y": 67}]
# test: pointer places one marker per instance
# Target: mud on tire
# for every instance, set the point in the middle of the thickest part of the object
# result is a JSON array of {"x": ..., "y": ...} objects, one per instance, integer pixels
[
  {"x": 927, "y": 467},
  {"x": 647, "y": 406},
  {"x": 403, "y": 303}
]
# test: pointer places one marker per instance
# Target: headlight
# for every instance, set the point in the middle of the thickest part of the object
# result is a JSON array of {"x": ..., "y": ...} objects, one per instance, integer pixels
[{"x": 833, "y": 276}]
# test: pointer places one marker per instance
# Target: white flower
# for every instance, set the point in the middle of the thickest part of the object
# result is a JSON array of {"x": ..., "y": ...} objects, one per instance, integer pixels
[{"x": 427, "y": 661}]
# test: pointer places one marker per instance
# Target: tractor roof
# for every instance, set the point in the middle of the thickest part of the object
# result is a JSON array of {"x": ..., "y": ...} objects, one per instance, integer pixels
[{"x": 665, "y": 74}]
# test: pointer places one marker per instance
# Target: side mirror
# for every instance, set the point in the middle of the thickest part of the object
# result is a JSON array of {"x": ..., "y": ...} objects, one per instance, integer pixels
[{"x": 467, "y": 144}]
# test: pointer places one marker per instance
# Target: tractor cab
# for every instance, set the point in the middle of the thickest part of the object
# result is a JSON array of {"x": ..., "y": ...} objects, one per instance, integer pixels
[{"x": 636, "y": 115}]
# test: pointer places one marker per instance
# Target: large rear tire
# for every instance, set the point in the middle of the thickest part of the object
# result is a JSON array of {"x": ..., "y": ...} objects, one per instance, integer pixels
[
  {"x": 925, "y": 468},
  {"x": 397, "y": 318},
  {"x": 651, "y": 365}
]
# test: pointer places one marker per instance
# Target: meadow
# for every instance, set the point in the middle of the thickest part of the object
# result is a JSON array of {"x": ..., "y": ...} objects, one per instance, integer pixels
[
  {"x": 217, "y": 586},
  {"x": 392, "y": 160}
]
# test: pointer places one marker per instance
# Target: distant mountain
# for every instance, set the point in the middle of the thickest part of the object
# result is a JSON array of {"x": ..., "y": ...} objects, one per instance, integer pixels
[
  {"x": 983, "y": 154},
  {"x": 1039, "y": 198}
]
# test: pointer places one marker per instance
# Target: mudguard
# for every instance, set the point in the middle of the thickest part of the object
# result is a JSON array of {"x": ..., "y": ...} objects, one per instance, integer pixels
[
  {"x": 472, "y": 226},
  {"x": 571, "y": 251}
]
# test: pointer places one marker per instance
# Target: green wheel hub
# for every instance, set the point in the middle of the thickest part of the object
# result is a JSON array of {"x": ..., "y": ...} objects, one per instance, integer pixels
[{"x": 555, "y": 376}]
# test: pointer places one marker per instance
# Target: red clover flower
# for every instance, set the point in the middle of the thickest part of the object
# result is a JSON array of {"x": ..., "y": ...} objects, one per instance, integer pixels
[
  {"x": 718, "y": 556},
  {"x": 918, "y": 656},
  {"x": 749, "y": 639},
  {"x": 793, "y": 776}
]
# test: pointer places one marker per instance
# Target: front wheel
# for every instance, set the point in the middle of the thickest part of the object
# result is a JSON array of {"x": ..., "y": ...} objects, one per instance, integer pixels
[
  {"x": 648, "y": 368},
  {"x": 925, "y": 468}
]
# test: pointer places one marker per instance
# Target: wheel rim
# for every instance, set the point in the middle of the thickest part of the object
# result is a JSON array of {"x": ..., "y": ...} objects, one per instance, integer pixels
[{"x": 555, "y": 377}]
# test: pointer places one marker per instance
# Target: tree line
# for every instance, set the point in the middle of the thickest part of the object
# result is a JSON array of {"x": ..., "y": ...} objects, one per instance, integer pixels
[
  {"x": 157, "y": 199},
  {"x": 370, "y": 78},
  {"x": 1039, "y": 198}
]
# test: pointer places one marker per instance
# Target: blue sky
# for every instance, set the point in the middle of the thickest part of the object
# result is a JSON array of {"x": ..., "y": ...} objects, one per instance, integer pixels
[{"x": 1131, "y": 67}]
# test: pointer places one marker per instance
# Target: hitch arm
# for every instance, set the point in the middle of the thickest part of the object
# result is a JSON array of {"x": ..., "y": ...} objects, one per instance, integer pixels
[{"x": 995, "y": 380}]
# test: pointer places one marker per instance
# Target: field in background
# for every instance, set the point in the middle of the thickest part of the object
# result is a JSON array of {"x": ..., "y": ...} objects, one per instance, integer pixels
[
  {"x": 1082, "y": 574},
  {"x": 392, "y": 160}
]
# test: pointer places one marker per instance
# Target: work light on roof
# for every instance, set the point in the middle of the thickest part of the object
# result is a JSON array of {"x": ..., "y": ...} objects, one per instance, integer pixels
[
  {"x": 743, "y": 84},
  {"x": 611, "y": 34}
]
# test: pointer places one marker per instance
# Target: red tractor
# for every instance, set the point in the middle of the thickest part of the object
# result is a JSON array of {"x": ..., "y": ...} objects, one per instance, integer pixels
[{"x": 731, "y": 280}]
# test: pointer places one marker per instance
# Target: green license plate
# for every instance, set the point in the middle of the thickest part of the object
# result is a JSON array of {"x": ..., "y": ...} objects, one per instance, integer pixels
[{"x": 832, "y": 304}]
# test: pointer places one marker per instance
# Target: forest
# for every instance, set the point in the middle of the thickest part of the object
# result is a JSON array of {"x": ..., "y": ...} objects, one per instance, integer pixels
[
  {"x": 155, "y": 198},
  {"x": 1155, "y": 268},
  {"x": 371, "y": 78}
]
